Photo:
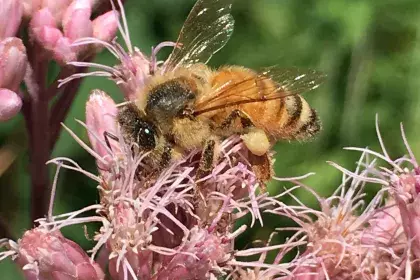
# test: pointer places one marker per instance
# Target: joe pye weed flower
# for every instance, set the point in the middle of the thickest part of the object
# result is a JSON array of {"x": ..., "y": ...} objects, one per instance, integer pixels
[{"x": 172, "y": 223}]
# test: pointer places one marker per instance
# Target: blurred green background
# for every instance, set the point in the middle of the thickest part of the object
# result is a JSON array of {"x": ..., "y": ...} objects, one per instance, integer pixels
[{"x": 369, "y": 49}]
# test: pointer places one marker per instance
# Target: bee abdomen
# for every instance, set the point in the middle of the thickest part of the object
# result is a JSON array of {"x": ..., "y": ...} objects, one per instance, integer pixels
[
  {"x": 302, "y": 122},
  {"x": 310, "y": 126}
]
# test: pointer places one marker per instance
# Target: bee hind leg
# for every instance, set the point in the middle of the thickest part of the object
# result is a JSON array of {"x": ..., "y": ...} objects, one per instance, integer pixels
[
  {"x": 233, "y": 116},
  {"x": 257, "y": 142},
  {"x": 262, "y": 166}
]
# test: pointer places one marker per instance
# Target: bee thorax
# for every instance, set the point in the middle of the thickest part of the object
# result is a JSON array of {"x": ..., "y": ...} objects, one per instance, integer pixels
[{"x": 169, "y": 99}]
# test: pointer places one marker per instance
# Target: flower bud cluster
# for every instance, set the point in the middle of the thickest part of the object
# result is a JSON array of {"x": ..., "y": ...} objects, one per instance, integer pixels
[
  {"x": 58, "y": 24},
  {"x": 53, "y": 26},
  {"x": 13, "y": 60}
]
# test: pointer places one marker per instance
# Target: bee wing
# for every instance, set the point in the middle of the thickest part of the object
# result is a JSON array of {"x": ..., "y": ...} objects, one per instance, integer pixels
[
  {"x": 270, "y": 84},
  {"x": 206, "y": 30}
]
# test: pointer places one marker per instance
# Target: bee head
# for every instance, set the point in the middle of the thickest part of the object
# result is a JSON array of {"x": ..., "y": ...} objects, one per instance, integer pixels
[
  {"x": 137, "y": 128},
  {"x": 145, "y": 134}
]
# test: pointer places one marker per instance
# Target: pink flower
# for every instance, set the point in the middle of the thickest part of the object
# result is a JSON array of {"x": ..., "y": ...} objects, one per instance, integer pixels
[
  {"x": 10, "y": 104},
  {"x": 13, "y": 63},
  {"x": 10, "y": 17},
  {"x": 339, "y": 236},
  {"x": 396, "y": 226},
  {"x": 152, "y": 225},
  {"x": 48, "y": 255}
]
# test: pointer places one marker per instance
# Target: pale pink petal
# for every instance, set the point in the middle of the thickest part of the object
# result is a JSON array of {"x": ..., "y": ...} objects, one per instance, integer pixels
[
  {"x": 76, "y": 20},
  {"x": 10, "y": 17},
  {"x": 63, "y": 51},
  {"x": 105, "y": 26},
  {"x": 30, "y": 7},
  {"x": 47, "y": 36},
  {"x": 57, "y": 8},
  {"x": 42, "y": 18},
  {"x": 10, "y": 104},
  {"x": 13, "y": 63},
  {"x": 101, "y": 112}
]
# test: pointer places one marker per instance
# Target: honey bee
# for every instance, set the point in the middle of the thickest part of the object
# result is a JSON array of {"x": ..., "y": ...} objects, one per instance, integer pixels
[{"x": 186, "y": 105}]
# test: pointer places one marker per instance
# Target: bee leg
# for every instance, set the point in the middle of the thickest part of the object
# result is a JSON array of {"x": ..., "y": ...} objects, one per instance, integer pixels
[
  {"x": 262, "y": 166},
  {"x": 234, "y": 115},
  {"x": 208, "y": 157},
  {"x": 107, "y": 136},
  {"x": 258, "y": 144},
  {"x": 206, "y": 209},
  {"x": 166, "y": 155}
]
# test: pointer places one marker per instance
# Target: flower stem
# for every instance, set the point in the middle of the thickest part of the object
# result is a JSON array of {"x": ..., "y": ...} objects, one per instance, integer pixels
[
  {"x": 39, "y": 150},
  {"x": 4, "y": 230},
  {"x": 62, "y": 106}
]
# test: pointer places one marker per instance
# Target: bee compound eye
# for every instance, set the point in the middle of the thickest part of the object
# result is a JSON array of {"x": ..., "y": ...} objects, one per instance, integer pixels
[{"x": 146, "y": 136}]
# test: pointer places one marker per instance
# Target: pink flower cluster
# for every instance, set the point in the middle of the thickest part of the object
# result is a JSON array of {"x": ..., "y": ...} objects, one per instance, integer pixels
[
  {"x": 155, "y": 226},
  {"x": 56, "y": 29}
]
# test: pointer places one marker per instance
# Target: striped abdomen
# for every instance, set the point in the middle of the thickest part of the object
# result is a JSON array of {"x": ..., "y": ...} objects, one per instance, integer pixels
[{"x": 287, "y": 118}]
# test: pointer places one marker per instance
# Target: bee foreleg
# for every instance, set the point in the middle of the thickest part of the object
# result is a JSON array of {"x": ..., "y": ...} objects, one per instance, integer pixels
[
  {"x": 234, "y": 115},
  {"x": 166, "y": 155},
  {"x": 107, "y": 136},
  {"x": 208, "y": 157}
]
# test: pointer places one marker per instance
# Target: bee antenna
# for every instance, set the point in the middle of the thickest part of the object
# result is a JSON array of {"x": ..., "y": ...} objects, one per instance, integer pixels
[{"x": 122, "y": 104}]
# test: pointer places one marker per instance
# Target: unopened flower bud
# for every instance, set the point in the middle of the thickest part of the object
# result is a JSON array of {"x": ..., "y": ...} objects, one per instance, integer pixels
[
  {"x": 105, "y": 26},
  {"x": 57, "y": 8},
  {"x": 10, "y": 17},
  {"x": 63, "y": 51},
  {"x": 100, "y": 118},
  {"x": 42, "y": 18},
  {"x": 47, "y": 36},
  {"x": 30, "y": 7},
  {"x": 10, "y": 104},
  {"x": 76, "y": 20},
  {"x": 13, "y": 63},
  {"x": 49, "y": 255}
]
